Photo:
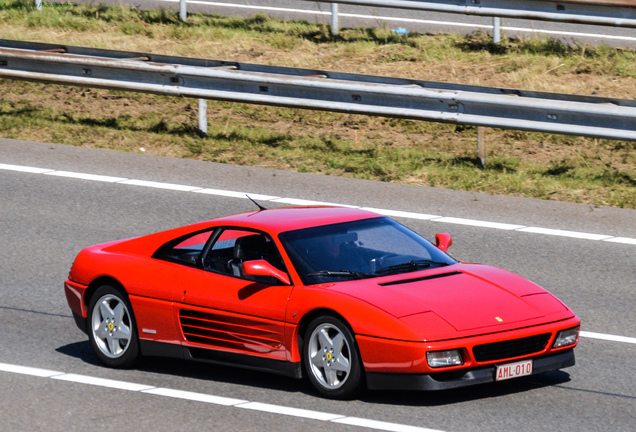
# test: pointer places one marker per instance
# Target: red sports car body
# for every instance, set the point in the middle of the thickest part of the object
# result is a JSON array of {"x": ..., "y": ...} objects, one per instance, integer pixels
[{"x": 344, "y": 296}]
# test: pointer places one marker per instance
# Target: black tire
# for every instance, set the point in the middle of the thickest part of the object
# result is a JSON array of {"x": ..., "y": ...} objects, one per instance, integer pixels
[
  {"x": 331, "y": 358},
  {"x": 112, "y": 329}
]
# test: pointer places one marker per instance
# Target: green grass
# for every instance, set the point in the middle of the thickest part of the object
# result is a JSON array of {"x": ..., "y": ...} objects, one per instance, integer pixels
[{"x": 598, "y": 172}]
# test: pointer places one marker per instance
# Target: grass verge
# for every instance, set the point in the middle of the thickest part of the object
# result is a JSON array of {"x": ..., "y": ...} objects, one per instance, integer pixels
[{"x": 597, "y": 172}]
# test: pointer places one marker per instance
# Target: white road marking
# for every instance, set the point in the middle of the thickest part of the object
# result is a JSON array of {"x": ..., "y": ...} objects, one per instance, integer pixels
[
  {"x": 380, "y": 425},
  {"x": 160, "y": 185},
  {"x": 304, "y": 202},
  {"x": 26, "y": 370},
  {"x": 82, "y": 176},
  {"x": 481, "y": 224},
  {"x": 102, "y": 382},
  {"x": 212, "y": 399},
  {"x": 564, "y": 233},
  {"x": 412, "y": 20},
  {"x": 607, "y": 337},
  {"x": 399, "y": 213},
  {"x": 299, "y": 201},
  {"x": 625, "y": 240},
  {"x": 25, "y": 169},
  {"x": 294, "y": 412},
  {"x": 198, "y": 397},
  {"x": 234, "y": 194}
]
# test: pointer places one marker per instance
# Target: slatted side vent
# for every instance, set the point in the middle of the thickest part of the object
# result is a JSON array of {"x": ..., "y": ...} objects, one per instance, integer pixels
[
  {"x": 511, "y": 348},
  {"x": 226, "y": 332}
]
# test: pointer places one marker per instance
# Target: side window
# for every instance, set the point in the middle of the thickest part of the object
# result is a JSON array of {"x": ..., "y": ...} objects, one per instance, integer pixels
[
  {"x": 184, "y": 250},
  {"x": 235, "y": 246}
]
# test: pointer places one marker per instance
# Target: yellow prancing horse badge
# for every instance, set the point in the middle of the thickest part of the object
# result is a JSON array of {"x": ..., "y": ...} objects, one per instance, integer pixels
[{"x": 498, "y": 319}]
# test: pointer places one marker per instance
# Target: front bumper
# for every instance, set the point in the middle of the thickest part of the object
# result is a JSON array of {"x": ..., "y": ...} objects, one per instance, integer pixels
[{"x": 461, "y": 377}]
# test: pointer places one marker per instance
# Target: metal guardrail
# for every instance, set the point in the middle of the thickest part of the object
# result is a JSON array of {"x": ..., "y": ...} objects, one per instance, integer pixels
[
  {"x": 619, "y": 13},
  {"x": 319, "y": 90}
]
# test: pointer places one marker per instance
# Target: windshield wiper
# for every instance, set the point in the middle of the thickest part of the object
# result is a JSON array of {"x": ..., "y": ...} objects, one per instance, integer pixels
[
  {"x": 359, "y": 275},
  {"x": 413, "y": 264}
]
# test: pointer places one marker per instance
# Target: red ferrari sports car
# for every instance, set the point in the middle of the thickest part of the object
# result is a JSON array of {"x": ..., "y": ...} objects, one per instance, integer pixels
[{"x": 343, "y": 296}]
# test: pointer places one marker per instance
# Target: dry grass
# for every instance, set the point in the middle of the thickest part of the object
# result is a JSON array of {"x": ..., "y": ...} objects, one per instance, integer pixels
[{"x": 529, "y": 164}]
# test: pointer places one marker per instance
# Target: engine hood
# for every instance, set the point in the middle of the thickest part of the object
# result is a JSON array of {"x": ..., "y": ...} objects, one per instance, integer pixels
[{"x": 465, "y": 296}]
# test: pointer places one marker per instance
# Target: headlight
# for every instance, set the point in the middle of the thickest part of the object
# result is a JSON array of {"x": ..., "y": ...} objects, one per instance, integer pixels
[
  {"x": 444, "y": 358},
  {"x": 566, "y": 337}
]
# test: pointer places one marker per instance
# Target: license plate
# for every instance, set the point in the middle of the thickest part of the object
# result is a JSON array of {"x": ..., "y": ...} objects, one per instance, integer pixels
[{"x": 513, "y": 370}]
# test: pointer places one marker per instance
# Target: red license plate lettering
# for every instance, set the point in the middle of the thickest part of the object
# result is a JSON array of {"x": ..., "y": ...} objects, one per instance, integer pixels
[{"x": 513, "y": 370}]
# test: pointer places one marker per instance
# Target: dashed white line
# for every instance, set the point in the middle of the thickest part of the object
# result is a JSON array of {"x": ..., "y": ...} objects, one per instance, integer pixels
[{"x": 300, "y": 201}]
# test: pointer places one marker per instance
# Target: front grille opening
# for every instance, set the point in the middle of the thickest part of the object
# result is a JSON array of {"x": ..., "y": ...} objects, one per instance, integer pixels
[{"x": 511, "y": 348}]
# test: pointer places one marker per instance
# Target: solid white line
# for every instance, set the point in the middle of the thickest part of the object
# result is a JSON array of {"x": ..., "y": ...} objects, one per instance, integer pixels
[
  {"x": 478, "y": 223},
  {"x": 234, "y": 194},
  {"x": 83, "y": 176},
  {"x": 380, "y": 425},
  {"x": 161, "y": 185},
  {"x": 608, "y": 337},
  {"x": 304, "y": 202},
  {"x": 26, "y": 370},
  {"x": 102, "y": 382},
  {"x": 294, "y": 412},
  {"x": 25, "y": 169},
  {"x": 298, "y": 201},
  {"x": 192, "y": 396},
  {"x": 625, "y": 240},
  {"x": 564, "y": 233},
  {"x": 211, "y": 399},
  {"x": 411, "y": 20},
  {"x": 399, "y": 213}
]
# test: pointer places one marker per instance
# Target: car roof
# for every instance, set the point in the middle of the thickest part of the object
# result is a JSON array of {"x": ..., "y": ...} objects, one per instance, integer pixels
[{"x": 277, "y": 220}]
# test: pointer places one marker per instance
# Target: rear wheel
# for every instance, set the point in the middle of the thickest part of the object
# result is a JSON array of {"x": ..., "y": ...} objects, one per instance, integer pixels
[
  {"x": 111, "y": 328},
  {"x": 331, "y": 358}
]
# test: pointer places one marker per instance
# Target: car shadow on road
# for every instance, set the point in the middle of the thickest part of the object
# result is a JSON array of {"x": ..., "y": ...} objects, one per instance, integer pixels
[
  {"x": 265, "y": 380},
  {"x": 195, "y": 370}
]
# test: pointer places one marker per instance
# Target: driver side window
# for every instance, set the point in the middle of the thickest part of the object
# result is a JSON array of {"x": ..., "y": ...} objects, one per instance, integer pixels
[{"x": 235, "y": 246}]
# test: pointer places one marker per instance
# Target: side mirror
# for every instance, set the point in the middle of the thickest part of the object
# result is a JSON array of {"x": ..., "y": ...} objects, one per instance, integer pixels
[
  {"x": 443, "y": 241},
  {"x": 263, "y": 268}
]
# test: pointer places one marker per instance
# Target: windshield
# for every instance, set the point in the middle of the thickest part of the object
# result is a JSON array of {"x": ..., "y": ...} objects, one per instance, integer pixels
[{"x": 359, "y": 249}]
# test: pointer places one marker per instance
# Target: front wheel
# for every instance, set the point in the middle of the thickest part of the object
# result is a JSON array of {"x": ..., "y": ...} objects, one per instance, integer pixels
[
  {"x": 112, "y": 329},
  {"x": 331, "y": 358}
]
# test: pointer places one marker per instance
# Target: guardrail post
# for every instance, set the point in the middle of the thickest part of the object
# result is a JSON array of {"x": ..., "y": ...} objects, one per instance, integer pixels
[
  {"x": 38, "y": 4},
  {"x": 496, "y": 30},
  {"x": 183, "y": 13},
  {"x": 335, "y": 25},
  {"x": 203, "y": 116},
  {"x": 481, "y": 145}
]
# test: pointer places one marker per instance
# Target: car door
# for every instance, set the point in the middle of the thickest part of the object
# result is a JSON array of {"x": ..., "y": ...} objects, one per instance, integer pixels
[{"x": 219, "y": 307}]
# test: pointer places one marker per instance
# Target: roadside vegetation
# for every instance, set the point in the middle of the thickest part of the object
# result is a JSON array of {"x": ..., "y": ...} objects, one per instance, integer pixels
[{"x": 596, "y": 172}]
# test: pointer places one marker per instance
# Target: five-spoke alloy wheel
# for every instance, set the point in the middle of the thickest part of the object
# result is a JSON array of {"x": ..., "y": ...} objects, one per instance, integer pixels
[
  {"x": 112, "y": 329},
  {"x": 331, "y": 358}
]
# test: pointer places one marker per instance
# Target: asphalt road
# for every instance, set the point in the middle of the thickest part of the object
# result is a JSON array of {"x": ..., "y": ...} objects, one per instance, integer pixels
[
  {"x": 411, "y": 20},
  {"x": 47, "y": 219}
]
